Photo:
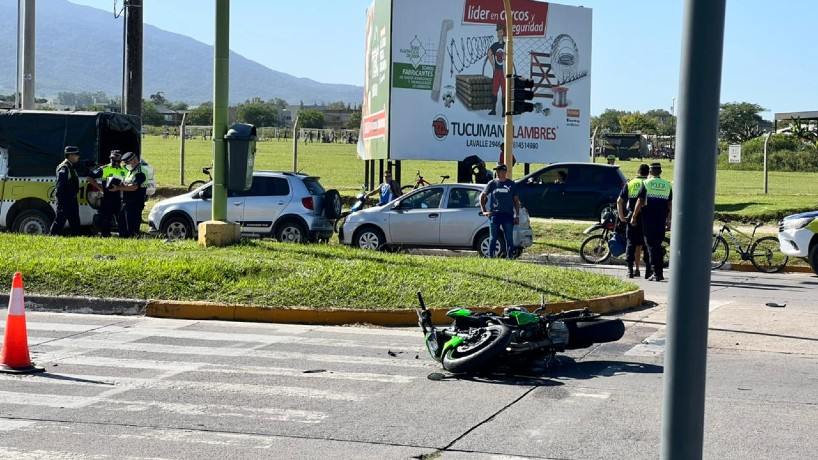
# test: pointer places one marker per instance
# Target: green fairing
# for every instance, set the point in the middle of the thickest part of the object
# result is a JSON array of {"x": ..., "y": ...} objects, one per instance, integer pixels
[
  {"x": 813, "y": 225},
  {"x": 459, "y": 312},
  {"x": 452, "y": 343},
  {"x": 524, "y": 318}
]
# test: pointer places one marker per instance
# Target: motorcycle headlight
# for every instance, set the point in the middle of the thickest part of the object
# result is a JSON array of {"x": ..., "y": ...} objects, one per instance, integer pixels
[{"x": 794, "y": 224}]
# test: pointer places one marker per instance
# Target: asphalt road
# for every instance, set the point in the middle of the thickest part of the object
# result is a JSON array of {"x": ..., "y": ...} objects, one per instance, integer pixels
[{"x": 132, "y": 387}]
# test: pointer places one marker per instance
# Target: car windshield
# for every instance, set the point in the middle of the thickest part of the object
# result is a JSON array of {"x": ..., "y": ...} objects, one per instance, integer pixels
[{"x": 313, "y": 186}]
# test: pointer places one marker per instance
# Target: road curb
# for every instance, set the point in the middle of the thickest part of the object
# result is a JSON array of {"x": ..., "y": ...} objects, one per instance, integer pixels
[
  {"x": 337, "y": 317},
  {"x": 89, "y": 305},
  {"x": 750, "y": 268}
]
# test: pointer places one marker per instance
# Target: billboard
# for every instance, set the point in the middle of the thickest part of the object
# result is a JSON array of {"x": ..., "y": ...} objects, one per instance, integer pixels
[
  {"x": 373, "y": 142},
  {"x": 448, "y": 85}
]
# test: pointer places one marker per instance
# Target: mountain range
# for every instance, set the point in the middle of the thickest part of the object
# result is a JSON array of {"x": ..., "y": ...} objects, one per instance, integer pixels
[{"x": 79, "y": 48}]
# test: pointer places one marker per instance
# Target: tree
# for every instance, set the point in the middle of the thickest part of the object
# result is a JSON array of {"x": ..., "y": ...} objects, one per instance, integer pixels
[
  {"x": 151, "y": 116},
  {"x": 159, "y": 99},
  {"x": 637, "y": 122},
  {"x": 354, "y": 120},
  {"x": 802, "y": 131},
  {"x": 339, "y": 106},
  {"x": 258, "y": 113},
  {"x": 179, "y": 106},
  {"x": 201, "y": 115},
  {"x": 311, "y": 118},
  {"x": 665, "y": 121},
  {"x": 740, "y": 121},
  {"x": 608, "y": 121}
]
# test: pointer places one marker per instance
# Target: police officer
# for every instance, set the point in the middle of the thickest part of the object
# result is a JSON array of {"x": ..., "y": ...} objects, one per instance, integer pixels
[
  {"x": 111, "y": 174},
  {"x": 68, "y": 185},
  {"x": 653, "y": 204},
  {"x": 133, "y": 196},
  {"x": 625, "y": 205}
]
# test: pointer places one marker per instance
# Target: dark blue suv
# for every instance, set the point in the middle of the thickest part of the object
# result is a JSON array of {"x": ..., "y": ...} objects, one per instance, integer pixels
[{"x": 570, "y": 190}]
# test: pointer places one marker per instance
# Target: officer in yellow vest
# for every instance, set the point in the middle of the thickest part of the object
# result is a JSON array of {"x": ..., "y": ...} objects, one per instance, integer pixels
[
  {"x": 654, "y": 204},
  {"x": 625, "y": 205},
  {"x": 68, "y": 185},
  {"x": 112, "y": 174},
  {"x": 134, "y": 190}
]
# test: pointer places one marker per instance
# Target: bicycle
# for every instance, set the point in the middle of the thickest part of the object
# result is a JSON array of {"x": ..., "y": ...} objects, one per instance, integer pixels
[
  {"x": 198, "y": 183},
  {"x": 420, "y": 182},
  {"x": 764, "y": 253}
]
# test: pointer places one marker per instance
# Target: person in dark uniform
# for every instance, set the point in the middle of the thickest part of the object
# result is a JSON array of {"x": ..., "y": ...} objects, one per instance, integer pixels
[
  {"x": 625, "y": 205},
  {"x": 111, "y": 174},
  {"x": 68, "y": 185},
  {"x": 134, "y": 192},
  {"x": 654, "y": 203},
  {"x": 504, "y": 210},
  {"x": 496, "y": 55}
]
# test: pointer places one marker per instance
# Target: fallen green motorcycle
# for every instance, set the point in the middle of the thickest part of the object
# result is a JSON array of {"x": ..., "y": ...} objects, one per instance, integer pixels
[{"x": 478, "y": 342}]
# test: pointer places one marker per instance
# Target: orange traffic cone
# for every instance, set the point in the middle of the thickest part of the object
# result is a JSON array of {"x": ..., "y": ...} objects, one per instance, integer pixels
[{"x": 15, "y": 358}]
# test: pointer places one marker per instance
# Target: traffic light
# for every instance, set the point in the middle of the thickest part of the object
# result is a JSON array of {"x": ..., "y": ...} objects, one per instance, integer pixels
[{"x": 523, "y": 94}]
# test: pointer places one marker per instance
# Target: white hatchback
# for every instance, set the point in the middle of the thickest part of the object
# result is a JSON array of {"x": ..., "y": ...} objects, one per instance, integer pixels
[{"x": 443, "y": 216}]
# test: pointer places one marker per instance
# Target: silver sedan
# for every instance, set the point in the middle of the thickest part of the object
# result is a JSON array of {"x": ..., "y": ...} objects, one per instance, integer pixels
[{"x": 444, "y": 216}]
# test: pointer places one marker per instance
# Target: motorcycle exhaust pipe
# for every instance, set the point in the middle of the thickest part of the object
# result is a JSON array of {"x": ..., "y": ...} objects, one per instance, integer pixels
[{"x": 528, "y": 346}]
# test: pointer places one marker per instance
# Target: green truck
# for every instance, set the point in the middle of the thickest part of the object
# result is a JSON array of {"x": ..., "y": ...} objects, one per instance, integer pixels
[{"x": 31, "y": 147}]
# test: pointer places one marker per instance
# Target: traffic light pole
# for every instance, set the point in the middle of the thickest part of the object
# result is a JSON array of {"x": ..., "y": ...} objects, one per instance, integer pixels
[
  {"x": 508, "y": 94},
  {"x": 693, "y": 207}
]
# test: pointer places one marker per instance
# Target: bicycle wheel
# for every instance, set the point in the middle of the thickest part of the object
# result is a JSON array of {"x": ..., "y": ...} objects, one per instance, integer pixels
[
  {"x": 766, "y": 255},
  {"x": 595, "y": 250},
  {"x": 720, "y": 252},
  {"x": 195, "y": 184}
]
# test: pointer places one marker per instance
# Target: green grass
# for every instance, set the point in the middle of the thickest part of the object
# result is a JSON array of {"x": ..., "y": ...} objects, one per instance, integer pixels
[
  {"x": 265, "y": 273},
  {"x": 738, "y": 196}
]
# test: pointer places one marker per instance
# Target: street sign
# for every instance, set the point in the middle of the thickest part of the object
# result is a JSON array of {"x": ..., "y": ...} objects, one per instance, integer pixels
[{"x": 734, "y": 153}]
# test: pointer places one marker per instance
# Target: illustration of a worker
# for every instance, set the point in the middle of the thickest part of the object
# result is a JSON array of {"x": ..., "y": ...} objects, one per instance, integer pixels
[{"x": 497, "y": 57}]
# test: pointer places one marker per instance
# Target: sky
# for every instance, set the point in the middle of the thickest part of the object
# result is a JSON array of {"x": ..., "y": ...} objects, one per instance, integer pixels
[{"x": 769, "y": 56}]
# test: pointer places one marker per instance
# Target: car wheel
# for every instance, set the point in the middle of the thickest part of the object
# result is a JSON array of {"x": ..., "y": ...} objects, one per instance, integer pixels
[
  {"x": 332, "y": 204},
  {"x": 176, "y": 227},
  {"x": 291, "y": 232},
  {"x": 32, "y": 222},
  {"x": 813, "y": 258},
  {"x": 483, "y": 245},
  {"x": 370, "y": 238}
]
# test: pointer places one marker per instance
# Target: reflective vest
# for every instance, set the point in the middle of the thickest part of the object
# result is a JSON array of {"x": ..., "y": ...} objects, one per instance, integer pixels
[
  {"x": 114, "y": 171},
  {"x": 658, "y": 188},
  {"x": 634, "y": 187},
  {"x": 150, "y": 182}
]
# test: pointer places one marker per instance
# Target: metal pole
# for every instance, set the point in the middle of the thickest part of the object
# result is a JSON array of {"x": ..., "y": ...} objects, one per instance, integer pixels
[
  {"x": 221, "y": 86},
  {"x": 766, "y": 140},
  {"x": 17, "y": 102},
  {"x": 508, "y": 94},
  {"x": 133, "y": 57},
  {"x": 689, "y": 296},
  {"x": 593, "y": 145},
  {"x": 29, "y": 40},
  {"x": 295, "y": 145},
  {"x": 182, "y": 131}
]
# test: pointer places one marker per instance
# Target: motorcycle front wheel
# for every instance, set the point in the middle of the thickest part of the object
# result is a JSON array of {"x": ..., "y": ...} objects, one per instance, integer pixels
[
  {"x": 595, "y": 250},
  {"x": 479, "y": 352}
]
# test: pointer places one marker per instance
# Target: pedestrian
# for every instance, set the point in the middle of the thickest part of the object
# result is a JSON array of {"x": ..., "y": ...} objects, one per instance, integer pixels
[
  {"x": 625, "y": 205},
  {"x": 502, "y": 159},
  {"x": 133, "y": 196},
  {"x": 611, "y": 160},
  {"x": 111, "y": 174},
  {"x": 68, "y": 185},
  {"x": 654, "y": 204},
  {"x": 389, "y": 189},
  {"x": 504, "y": 209},
  {"x": 481, "y": 174}
]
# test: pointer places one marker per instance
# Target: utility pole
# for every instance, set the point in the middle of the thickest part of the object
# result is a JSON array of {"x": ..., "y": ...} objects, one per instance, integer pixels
[
  {"x": 766, "y": 181},
  {"x": 693, "y": 209},
  {"x": 508, "y": 150},
  {"x": 27, "y": 75},
  {"x": 182, "y": 138},
  {"x": 295, "y": 145},
  {"x": 133, "y": 57},
  {"x": 221, "y": 88}
]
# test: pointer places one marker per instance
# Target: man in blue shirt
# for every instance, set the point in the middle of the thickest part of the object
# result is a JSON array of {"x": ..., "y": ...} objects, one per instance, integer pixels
[
  {"x": 504, "y": 209},
  {"x": 389, "y": 189}
]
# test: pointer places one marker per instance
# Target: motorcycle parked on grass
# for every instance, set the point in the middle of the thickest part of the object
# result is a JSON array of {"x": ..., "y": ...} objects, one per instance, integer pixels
[
  {"x": 600, "y": 247},
  {"x": 478, "y": 342}
]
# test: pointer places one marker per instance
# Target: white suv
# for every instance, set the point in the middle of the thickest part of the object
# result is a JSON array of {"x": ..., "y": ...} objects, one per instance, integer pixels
[
  {"x": 798, "y": 235},
  {"x": 290, "y": 207}
]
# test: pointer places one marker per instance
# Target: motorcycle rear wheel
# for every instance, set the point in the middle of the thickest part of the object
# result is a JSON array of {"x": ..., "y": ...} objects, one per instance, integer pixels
[
  {"x": 583, "y": 334},
  {"x": 479, "y": 353}
]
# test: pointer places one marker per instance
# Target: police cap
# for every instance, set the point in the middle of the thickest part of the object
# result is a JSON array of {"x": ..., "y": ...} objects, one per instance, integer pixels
[
  {"x": 71, "y": 150},
  {"x": 128, "y": 156},
  {"x": 115, "y": 155}
]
